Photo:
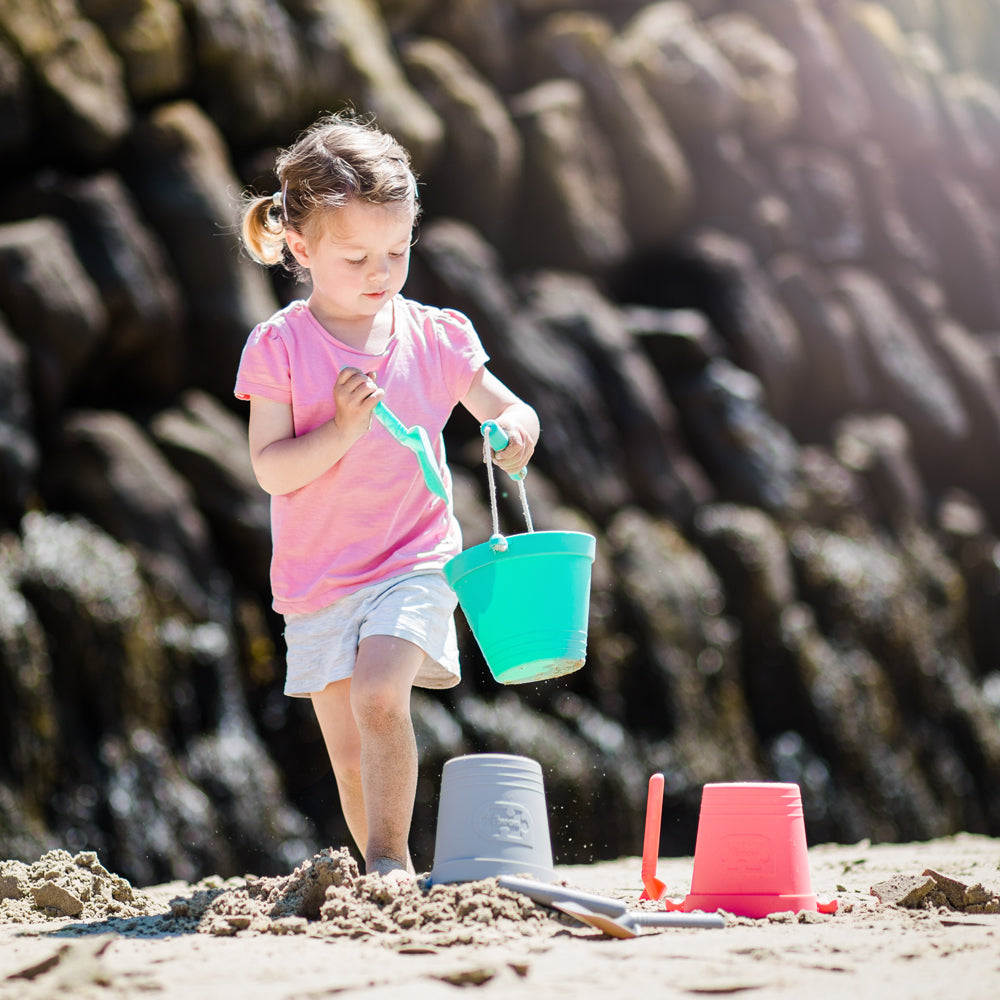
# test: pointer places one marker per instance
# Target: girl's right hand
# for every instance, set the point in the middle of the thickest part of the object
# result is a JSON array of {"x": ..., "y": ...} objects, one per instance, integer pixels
[{"x": 355, "y": 395}]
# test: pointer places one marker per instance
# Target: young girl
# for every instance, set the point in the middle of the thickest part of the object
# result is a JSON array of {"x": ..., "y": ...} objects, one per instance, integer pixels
[{"x": 358, "y": 539}]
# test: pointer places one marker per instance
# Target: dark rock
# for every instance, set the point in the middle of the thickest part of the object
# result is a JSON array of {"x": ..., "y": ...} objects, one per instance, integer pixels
[
  {"x": 787, "y": 685},
  {"x": 647, "y": 157},
  {"x": 180, "y": 174},
  {"x": 207, "y": 445},
  {"x": 830, "y": 344},
  {"x": 746, "y": 453},
  {"x": 151, "y": 38},
  {"x": 879, "y": 449},
  {"x": 53, "y": 307},
  {"x": 569, "y": 212},
  {"x": 318, "y": 45},
  {"x": 19, "y": 454},
  {"x": 142, "y": 359},
  {"x": 90, "y": 598},
  {"x": 834, "y": 108},
  {"x": 678, "y": 341},
  {"x": 84, "y": 107},
  {"x": 826, "y": 208},
  {"x": 579, "y": 448},
  {"x": 971, "y": 544},
  {"x": 736, "y": 195},
  {"x": 858, "y": 773},
  {"x": 105, "y": 467},
  {"x": 660, "y": 475},
  {"x": 375, "y": 79},
  {"x": 16, "y": 109},
  {"x": 748, "y": 551},
  {"x": 478, "y": 172},
  {"x": 487, "y": 33},
  {"x": 769, "y": 100},
  {"x": 902, "y": 602},
  {"x": 908, "y": 380},
  {"x": 748, "y": 316},
  {"x": 248, "y": 68},
  {"x": 694, "y": 85},
  {"x": 966, "y": 362},
  {"x": 685, "y": 688},
  {"x": 28, "y": 692},
  {"x": 115, "y": 656},
  {"x": 833, "y": 492}
]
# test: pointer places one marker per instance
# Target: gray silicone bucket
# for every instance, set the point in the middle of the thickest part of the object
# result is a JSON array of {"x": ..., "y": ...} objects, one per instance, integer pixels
[{"x": 492, "y": 820}]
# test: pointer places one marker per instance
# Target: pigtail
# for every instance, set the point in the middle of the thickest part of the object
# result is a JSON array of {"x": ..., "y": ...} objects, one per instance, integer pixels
[{"x": 263, "y": 228}]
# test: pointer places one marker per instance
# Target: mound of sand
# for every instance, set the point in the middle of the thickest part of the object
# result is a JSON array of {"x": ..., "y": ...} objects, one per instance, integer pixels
[
  {"x": 327, "y": 896},
  {"x": 60, "y": 884},
  {"x": 933, "y": 890}
]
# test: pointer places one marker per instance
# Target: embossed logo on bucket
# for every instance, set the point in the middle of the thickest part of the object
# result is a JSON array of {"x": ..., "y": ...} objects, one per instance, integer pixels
[
  {"x": 506, "y": 821},
  {"x": 748, "y": 853},
  {"x": 492, "y": 820}
]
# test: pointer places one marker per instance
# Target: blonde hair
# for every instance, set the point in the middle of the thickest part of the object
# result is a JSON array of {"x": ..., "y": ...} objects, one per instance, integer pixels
[{"x": 337, "y": 159}]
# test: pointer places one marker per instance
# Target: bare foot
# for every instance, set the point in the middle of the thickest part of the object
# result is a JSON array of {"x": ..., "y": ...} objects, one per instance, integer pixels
[{"x": 390, "y": 870}]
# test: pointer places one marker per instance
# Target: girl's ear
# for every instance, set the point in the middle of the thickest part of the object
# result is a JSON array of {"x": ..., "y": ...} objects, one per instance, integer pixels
[{"x": 297, "y": 244}]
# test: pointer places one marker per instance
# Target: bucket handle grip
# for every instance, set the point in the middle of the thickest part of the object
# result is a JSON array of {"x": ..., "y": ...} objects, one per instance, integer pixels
[
  {"x": 498, "y": 440},
  {"x": 495, "y": 439}
]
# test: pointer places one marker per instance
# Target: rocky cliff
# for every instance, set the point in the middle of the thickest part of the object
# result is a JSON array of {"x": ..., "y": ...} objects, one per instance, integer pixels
[{"x": 742, "y": 258}]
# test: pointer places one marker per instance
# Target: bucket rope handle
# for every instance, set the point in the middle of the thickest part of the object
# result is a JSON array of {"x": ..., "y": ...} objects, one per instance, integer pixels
[{"x": 495, "y": 439}]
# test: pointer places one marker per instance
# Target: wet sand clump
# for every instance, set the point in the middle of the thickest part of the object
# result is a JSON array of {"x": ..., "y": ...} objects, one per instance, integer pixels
[
  {"x": 327, "y": 896},
  {"x": 60, "y": 884}
]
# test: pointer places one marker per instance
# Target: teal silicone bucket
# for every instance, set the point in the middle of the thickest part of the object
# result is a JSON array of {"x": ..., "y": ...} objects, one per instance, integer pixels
[{"x": 527, "y": 605}]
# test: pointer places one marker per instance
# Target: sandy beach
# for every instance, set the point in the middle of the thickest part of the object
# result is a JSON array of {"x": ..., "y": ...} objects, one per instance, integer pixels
[{"x": 916, "y": 936}]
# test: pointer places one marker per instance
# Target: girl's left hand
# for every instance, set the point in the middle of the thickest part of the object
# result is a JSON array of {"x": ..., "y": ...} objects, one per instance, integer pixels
[{"x": 518, "y": 452}]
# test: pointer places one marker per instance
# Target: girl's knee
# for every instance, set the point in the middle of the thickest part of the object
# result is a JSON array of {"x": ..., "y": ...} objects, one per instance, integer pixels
[
  {"x": 379, "y": 699},
  {"x": 383, "y": 678}
]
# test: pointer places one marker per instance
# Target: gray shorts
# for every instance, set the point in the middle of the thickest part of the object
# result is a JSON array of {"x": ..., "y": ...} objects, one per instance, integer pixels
[{"x": 419, "y": 607}]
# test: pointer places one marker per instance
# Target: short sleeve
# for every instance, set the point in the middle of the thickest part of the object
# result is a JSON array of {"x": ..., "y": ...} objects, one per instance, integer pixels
[
  {"x": 462, "y": 352},
  {"x": 264, "y": 369}
]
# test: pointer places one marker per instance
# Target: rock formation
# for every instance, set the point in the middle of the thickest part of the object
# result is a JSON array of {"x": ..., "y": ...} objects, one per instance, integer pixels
[{"x": 742, "y": 260}]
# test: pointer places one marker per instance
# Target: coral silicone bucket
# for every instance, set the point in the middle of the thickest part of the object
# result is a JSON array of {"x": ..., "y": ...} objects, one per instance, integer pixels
[
  {"x": 750, "y": 855},
  {"x": 527, "y": 604}
]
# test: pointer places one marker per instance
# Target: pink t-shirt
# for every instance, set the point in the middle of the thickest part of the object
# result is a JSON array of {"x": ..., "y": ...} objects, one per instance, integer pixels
[{"x": 370, "y": 516}]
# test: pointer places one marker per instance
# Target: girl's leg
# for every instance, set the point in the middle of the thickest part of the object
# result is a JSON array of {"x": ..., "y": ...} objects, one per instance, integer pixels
[
  {"x": 333, "y": 710},
  {"x": 380, "y": 700}
]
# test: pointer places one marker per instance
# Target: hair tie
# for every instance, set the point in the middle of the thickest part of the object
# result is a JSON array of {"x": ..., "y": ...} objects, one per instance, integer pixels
[{"x": 280, "y": 200}]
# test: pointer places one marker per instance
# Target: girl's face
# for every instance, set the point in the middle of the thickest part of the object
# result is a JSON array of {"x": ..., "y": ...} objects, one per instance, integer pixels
[{"x": 358, "y": 259}]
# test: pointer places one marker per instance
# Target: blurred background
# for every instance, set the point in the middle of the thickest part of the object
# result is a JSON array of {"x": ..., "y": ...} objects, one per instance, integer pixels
[{"x": 741, "y": 256}]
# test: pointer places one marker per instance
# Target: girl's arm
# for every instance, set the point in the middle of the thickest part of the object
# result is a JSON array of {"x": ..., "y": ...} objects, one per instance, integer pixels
[
  {"x": 283, "y": 462},
  {"x": 489, "y": 399}
]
